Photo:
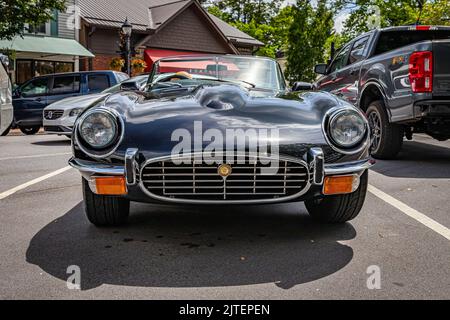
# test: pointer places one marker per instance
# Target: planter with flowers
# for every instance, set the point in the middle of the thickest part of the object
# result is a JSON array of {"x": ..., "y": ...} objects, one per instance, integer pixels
[
  {"x": 138, "y": 66},
  {"x": 117, "y": 64}
]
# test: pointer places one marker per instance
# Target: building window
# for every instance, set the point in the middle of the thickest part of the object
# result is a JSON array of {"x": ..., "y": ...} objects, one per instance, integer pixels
[
  {"x": 27, "y": 69},
  {"x": 40, "y": 29},
  {"x": 61, "y": 67},
  {"x": 43, "y": 67}
]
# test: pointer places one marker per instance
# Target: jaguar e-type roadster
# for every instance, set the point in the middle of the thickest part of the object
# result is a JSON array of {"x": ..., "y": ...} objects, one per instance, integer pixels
[{"x": 221, "y": 130}]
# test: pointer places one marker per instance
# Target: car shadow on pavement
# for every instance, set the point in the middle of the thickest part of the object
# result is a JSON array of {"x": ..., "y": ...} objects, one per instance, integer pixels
[
  {"x": 166, "y": 246},
  {"x": 417, "y": 160}
]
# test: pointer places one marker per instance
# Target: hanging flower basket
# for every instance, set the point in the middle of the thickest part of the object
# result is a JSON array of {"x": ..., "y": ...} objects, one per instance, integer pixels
[
  {"x": 117, "y": 64},
  {"x": 138, "y": 66}
]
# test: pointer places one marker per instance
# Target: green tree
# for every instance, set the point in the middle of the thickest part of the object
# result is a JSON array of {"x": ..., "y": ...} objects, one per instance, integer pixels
[
  {"x": 15, "y": 14},
  {"x": 307, "y": 36},
  {"x": 273, "y": 35},
  {"x": 245, "y": 11},
  {"x": 393, "y": 13},
  {"x": 263, "y": 20}
]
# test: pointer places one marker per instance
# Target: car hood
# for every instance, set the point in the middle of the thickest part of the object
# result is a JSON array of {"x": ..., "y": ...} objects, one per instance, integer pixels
[
  {"x": 77, "y": 102},
  {"x": 153, "y": 125}
]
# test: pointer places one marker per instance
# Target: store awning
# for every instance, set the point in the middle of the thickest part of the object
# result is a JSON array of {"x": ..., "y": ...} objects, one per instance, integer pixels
[{"x": 47, "y": 46}]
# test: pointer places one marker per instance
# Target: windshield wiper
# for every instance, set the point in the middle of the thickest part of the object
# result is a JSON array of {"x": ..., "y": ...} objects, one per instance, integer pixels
[
  {"x": 228, "y": 81},
  {"x": 249, "y": 83}
]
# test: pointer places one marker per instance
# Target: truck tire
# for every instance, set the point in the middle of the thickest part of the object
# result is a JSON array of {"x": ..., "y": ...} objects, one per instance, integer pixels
[
  {"x": 339, "y": 208},
  {"x": 104, "y": 211},
  {"x": 29, "y": 131},
  {"x": 387, "y": 137}
]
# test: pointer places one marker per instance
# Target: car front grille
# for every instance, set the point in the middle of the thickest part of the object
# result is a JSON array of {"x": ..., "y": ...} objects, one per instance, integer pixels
[
  {"x": 249, "y": 181},
  {"x": 53, "y": 114}
]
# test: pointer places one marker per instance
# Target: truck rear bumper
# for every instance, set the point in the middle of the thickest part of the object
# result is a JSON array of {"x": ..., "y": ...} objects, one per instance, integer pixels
[{"x": 432, "y": 108}]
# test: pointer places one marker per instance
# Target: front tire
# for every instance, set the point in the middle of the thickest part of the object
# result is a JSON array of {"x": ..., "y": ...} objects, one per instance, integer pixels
[
  {"x": 387, "y": 138},
  {"x": 29, "y": 131},
  {"x": 339, "y": 208},
  {"x": 105, "y": 211}
]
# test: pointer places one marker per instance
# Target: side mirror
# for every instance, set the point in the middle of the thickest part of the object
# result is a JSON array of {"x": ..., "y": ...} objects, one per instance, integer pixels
[
  {"x": 302, "y": 86},
  {"x": 129, "y": 86},
  {"x": 356, "y": 55},
  {"x": 16, "y": 93},
  {"x": 321, "y": 68}
]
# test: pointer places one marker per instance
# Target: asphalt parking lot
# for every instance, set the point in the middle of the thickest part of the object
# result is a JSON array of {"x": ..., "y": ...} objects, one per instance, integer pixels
[{"x": 260, "y": 252}]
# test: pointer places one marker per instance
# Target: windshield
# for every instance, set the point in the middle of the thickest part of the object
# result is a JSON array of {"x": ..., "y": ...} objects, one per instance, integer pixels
[{"x": 251, "y": 72}]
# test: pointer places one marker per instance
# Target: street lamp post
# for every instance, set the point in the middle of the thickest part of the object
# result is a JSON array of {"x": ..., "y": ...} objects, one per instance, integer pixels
[{"x": 127, "y": 28}]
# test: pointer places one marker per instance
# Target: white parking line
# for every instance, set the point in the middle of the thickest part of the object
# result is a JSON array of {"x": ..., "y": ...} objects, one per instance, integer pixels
[
  {"x": 416, "y": 215},
  {"x": 36, "y": 156},
  {"x": 6, "y": 194}
]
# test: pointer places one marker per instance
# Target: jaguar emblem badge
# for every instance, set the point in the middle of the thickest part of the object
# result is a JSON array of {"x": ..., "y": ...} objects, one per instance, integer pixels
[{"x": 225, "y": 170}]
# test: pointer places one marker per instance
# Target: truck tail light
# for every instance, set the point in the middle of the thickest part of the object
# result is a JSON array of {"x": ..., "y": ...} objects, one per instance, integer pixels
[{"x": 421, "y": 71}]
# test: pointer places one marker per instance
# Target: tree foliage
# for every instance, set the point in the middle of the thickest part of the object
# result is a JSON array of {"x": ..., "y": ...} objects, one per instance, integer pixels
[
  {"x": 245, "y": 11},
  {"x": 264, "y": 20},
  {"x": 307, "y": 39},
  {"x": 304, "y": 31},
  {"x": 393, "y": 13},
  {"x": 15, "y": 14}
]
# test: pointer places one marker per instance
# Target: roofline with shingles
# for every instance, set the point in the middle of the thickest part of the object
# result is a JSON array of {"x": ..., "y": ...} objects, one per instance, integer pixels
[{"x": 151, "y": 31}]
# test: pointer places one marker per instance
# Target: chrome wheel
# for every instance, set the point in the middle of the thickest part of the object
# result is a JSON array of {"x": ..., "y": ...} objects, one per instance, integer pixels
[{"x": 375, "y": 129}]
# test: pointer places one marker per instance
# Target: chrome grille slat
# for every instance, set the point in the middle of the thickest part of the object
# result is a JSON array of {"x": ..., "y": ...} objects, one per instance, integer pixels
[
  {"x": 213, "y": 174},
  {"x": 228, "y": 187},
  {"x": 219, "y": 181},
  {"x": 248, "y": 182}
]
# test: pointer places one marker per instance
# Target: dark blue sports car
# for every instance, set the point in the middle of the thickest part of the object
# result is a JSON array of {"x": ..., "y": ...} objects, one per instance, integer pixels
[{"x": 215, "y": 130}]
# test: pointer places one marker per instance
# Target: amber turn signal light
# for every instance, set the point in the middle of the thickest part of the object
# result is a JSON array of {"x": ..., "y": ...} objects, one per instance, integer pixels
[
  {"x": 340, "y": 184},
  {"x": 111, "y": 186}
]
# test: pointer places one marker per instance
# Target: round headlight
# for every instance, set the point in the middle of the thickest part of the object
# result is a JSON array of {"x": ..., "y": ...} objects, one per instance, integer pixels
[
  {"x": 347, "y": 128},
  {"x": 98, "y": 129}
]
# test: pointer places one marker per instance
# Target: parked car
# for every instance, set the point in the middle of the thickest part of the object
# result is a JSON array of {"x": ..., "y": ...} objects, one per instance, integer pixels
[
  {"x": 59, "y": 117},
  {"x": 6, "y": 108},
  {"x": 400, "y": 77},
  {"x": 33, "y": 96},
  {"x": 126, "y": 147}
]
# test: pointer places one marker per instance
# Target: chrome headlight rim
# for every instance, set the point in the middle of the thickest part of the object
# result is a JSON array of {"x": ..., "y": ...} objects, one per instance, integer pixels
[
  {"x": 108, "y": 149},
  {"x": 358, "y": 147}
]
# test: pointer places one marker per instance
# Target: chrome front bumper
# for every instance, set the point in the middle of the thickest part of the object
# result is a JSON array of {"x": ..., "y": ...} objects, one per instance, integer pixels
[
  {"x": 89, "y": 169},
  {"x": 348, "y": 167}
]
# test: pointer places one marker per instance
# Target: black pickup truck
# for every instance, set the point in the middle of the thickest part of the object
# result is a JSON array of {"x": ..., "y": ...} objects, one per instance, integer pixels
[{"x": 400, "y": 77}]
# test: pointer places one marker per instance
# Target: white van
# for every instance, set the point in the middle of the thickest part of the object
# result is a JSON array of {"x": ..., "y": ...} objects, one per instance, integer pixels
[{"x": 6, "y": 108}]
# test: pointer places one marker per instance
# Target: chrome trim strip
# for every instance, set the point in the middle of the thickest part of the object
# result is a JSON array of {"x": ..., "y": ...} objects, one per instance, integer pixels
[
  {"x": 348, "y": 167},
  {"x": 189, "y": 201},
  {"x": 88, "y": 168},
  {"x": 130, "y": 166}
]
